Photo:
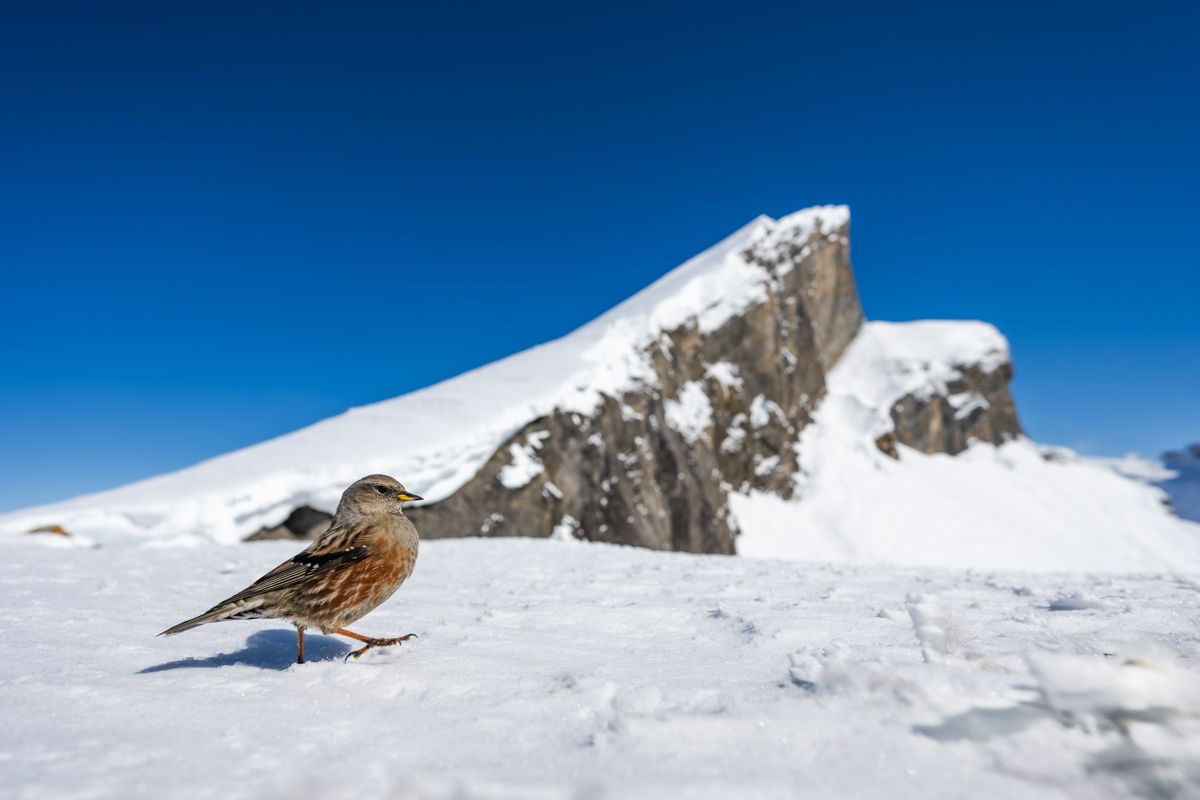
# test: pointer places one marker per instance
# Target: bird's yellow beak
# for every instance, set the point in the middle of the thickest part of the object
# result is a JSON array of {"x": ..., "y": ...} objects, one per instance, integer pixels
[{"x": 405, "y": 497}]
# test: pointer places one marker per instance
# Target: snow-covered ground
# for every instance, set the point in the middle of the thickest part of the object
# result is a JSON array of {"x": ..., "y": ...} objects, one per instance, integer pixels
[{"x": 549, "y": 669}]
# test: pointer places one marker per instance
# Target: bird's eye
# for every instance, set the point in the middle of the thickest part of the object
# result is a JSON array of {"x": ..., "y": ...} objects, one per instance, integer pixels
[{"x": 381, "y": 489}]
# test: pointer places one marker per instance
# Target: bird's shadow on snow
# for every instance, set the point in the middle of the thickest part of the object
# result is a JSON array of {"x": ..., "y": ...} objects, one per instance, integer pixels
[{"x": 266, "y": 650}]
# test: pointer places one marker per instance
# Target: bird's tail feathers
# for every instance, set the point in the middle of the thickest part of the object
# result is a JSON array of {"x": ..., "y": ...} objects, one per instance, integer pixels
[{"x": 228, "y": 610}]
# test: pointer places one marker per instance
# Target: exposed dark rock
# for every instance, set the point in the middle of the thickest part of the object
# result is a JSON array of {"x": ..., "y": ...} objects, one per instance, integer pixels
[
  {"x": 887, "y": 445},
  {"x": 722, "y": 412},
  {"x": 654, "y": 467},
  {"x": 825, "y": 286},
  {"x": 303, "y": 523},
  {"x": 976, "y": 407}
]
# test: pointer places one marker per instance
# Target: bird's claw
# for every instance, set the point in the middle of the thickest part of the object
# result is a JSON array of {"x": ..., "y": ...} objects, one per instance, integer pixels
[{"x": 378, "y": 643}]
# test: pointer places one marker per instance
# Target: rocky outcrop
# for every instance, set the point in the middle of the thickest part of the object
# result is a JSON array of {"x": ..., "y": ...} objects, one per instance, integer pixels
[
  {"x": 718, "y": 407},
  {"x": 823, "y": 284},
  {"x": 653, "y": 467},
  {"x": 303, "y": 523},
  {"x": 977, "y": 406}
]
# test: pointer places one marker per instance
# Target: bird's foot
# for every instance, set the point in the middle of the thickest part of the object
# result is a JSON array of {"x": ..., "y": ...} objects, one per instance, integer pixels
[{"x": 371, "y": 643}]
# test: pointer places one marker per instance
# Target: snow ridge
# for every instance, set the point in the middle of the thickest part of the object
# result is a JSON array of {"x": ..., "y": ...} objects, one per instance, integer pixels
[{"x": 437, "y": 437}]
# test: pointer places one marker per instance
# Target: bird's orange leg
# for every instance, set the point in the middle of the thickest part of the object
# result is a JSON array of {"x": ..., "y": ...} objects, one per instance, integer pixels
[
  {"x": 371, "y": 641},
  {"x": 299, "y": 644}
]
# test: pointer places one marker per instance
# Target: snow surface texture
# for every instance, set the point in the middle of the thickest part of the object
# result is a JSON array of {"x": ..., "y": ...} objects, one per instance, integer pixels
[
  {"x": 549, "y": 669},
  {"x": 1015, "y": 506},
  {"x": 436, "y": 438}
]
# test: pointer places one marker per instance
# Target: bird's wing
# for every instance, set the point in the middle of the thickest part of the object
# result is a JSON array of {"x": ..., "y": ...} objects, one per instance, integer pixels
[{"x": 335, "y": 549}]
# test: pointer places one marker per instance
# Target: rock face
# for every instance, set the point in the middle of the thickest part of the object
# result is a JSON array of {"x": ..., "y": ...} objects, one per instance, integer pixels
[
  {"x": 719, "y": 409},
  {"x": 976, "y": 407},
  {"x": 303, "y": 523},
  {"x": 654, "y": 467},
  {"x": 747, "y": 370}
]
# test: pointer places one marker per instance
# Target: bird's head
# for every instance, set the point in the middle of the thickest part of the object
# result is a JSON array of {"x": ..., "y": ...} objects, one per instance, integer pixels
[{"x": 376, "y": 494}]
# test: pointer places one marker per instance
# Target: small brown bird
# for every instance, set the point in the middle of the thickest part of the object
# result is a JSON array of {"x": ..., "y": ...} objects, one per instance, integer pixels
[{"x": 368, "y": 551}]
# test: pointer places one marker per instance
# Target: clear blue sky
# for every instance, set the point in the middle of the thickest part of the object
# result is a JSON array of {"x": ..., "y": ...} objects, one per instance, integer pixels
[{"x": 222, "y": 221}]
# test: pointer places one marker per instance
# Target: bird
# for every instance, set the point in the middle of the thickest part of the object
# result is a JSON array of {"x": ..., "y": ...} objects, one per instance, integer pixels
[{"x": 369, "y": 549}]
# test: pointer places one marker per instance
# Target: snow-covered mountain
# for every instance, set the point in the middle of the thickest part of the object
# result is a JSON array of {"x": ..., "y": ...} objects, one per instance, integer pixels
[{"x": 741, "y": 403}]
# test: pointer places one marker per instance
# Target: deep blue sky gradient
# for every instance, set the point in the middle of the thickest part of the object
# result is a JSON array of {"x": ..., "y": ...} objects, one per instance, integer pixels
[{"x": 222, "y": 221}]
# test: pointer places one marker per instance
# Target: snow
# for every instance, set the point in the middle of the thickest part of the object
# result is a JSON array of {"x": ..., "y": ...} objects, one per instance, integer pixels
[
  {"x": 524, "y": 467},
  {"x": 987, "y": 507},
  {"x": 993, "y": 507},
  {"x": 437, "y": 438},
  {"x": 525, "y": 464},
  {"x": 566, "y": 529},
  {"x": 726, "y": 374},
  {"x": 1131, "y": 465},
  {"x": 762, "y": 409},
  {"x": 1177, "y": 474},
  {"x": 888, "y": 360},
  {"x": 776, "y": 241},
  {"x": 1115, "y": 686},
  {"x": 967, "y": 403},
  {"x": 691, "y": 413},
  {"x": 549, "y": 669},
  {"x": 735, "y": 437}
]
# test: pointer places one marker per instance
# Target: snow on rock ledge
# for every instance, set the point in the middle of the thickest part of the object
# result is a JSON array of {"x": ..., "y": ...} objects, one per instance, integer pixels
[
  {"x": 937, "y": 385},
  {"x": 691, "y": 414},
  {"x": 525, "y": 464},
  {"x": 889, "y": 360}
]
